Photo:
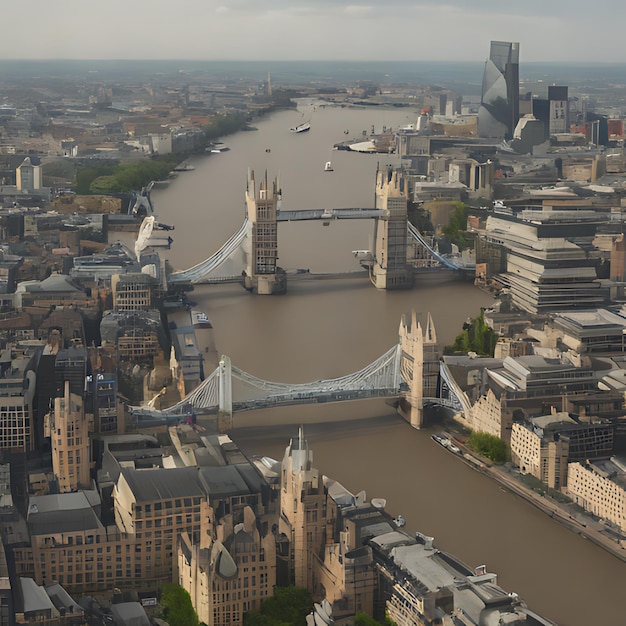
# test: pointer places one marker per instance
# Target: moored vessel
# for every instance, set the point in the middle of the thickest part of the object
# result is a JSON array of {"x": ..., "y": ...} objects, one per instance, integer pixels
[{"x": 301, "y": 128}]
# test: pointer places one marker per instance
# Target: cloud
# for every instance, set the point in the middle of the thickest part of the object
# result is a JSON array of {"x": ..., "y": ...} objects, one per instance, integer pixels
[{"x": 313, "y": 29}]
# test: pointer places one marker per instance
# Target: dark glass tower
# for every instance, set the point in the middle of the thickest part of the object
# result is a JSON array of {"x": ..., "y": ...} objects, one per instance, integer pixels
[{"x": 499, "y": 108}]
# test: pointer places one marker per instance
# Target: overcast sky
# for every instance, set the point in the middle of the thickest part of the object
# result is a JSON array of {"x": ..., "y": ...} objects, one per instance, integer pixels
[{"x": 446, "y": 30}]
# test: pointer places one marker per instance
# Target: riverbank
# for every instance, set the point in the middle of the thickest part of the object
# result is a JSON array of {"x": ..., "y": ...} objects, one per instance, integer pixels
[{"x": 565, "y": 514}]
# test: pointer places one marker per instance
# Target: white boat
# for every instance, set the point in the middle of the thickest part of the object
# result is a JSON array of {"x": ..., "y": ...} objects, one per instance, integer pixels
[
  {"x": 201, "y": 319},
  {"x": 301, "y": 128},
  {"x": 218, "y": 147},
  {"x": 328, "y": 167},
  {"x": 446, "y": 443}
]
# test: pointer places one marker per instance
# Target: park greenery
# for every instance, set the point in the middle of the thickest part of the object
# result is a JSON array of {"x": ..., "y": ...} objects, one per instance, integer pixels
[
  {"x": 289, "y": 606},
  {"x": 176, "y": 607},
  {"x": 115, "y": 177},
  {"x": 363, "y": 619},
  {"x": 107, "y": 177},
  {"x": 476, "y": 337},
  {"x": 489, "y": 446}
]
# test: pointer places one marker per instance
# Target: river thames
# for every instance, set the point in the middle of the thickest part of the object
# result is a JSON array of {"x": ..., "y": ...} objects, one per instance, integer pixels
[{"x": 329, "y": 328}]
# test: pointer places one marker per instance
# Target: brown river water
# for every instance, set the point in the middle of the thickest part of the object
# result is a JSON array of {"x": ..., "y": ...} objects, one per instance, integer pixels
[{"x": 328, "y": 328}]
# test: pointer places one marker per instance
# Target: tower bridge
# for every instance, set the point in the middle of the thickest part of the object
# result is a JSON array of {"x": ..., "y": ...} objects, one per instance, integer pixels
[
  {"x": 250, "y": 256},
  {"x": 407, "y": 372}
]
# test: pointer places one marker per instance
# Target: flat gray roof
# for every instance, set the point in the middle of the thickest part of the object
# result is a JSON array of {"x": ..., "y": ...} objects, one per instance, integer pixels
[
  {"x": 62, "y": 513},
  {"x": 151, "y": 485}
]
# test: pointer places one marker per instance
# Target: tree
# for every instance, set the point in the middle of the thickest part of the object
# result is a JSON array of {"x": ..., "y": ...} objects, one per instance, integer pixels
[
  {"x": 456, "y": 227},
  {"x": 289, "y": 606},
  {"x": 489, "y": 446},
  {"x": 476, "y": 336},
  {"x": 176, "y": 606}
]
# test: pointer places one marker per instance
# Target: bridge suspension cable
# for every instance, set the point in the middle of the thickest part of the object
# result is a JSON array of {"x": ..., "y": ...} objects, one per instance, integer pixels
[
  {"x": 417, "y": 236},
  {"x": 226, "y": 264},
  {"x": 381, "y": 377}
]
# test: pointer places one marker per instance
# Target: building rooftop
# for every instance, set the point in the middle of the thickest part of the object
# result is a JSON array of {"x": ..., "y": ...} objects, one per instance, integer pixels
[
  {"x": 129, "y": 614},
  {"x": 590, "y": 323},
  {"x": 553, "y": 421},
  {"x": 35, "y": 598},
  {"x": 62, "y": 513},
  {"x": 62, "y": 600},
  {"x": 151, "y": 485}
]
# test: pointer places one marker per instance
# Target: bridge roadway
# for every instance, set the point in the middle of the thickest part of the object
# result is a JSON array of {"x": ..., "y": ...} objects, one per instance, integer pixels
[
  {"x": 337, "y": 396},
  {"x": 328, "y": 214}
]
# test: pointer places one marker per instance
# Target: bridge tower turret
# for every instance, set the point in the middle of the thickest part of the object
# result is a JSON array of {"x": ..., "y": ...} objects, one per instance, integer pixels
[
  {"x": 262, "y": 274},
  {"x": 390, "y": 269},
  {"x": 225, "y": 392},
  {"x": 412, "y": 342}
]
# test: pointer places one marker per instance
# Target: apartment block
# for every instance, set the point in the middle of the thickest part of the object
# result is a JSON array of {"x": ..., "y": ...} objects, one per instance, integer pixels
[
  {"x": 542, "y": 457},
  {"x": 600, "y": 488}
]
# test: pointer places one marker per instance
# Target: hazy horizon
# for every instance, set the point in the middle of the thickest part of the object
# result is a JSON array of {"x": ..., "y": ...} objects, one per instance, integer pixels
[{"x": 317, "y": 30}]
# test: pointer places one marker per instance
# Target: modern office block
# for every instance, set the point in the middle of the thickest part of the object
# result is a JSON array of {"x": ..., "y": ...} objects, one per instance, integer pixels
[{"x": 499, "y": 107}]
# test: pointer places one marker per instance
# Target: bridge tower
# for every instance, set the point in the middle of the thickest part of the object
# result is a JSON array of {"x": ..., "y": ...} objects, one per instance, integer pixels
[
  {"x": 390, "y": 269},
  {"x": 419, "y": 367},
  {"x": 432, "y": 356},
  {"x": 262, "y": 274},
  {"x": 225, "y": 392}
]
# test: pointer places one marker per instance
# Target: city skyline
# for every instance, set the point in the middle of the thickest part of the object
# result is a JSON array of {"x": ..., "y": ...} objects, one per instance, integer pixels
[{"x": 306, "y": 30}]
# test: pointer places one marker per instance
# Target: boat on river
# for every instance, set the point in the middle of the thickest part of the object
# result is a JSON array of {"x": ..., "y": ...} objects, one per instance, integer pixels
[
  {"x": 218, "y": 147},
  {"x": 184, "y": 167},
  {"x": 301, "y": 128},
  {"x": 444, "y": 441},
  {"x": 200, "y": 320},
  {"x": 399, "y": 521},
  {"x": 328, "y": 167}
]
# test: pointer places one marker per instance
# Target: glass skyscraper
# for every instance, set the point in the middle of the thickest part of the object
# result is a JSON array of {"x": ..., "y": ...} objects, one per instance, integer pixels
[{"x": 499, "y": 108}]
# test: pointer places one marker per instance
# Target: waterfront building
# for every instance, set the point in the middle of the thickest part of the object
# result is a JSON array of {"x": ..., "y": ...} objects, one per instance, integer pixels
[
  {"x": 543, "y": 446},
  {"x": 499, "y": 107},
  {"x": 134, "y": 291},
  {"x": 600, "y": 488},
  {"x": 494, "y": 393},
  {"x": 551, "y": 263},
  {"x": 544, "y": 456},
  {"x": 422, "y": 586},
  {"x": 490, "y": 414},
  {"x": 160, "y": 143}
]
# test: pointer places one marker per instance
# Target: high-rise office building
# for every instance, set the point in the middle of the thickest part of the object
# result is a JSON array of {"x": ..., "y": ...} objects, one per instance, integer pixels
[
  {"x": 499, "y": 107},
  {"x": 559, "y": 110}
]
